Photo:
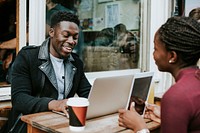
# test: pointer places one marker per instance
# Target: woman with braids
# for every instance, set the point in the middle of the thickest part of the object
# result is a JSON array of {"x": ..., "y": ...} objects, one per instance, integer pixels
[{"x": 176, "y": 50}]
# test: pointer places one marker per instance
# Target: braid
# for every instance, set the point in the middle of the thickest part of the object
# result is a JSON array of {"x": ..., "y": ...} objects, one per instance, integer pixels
[
  {"x": 59, "y": 16},
  {"x": 182, "y": 34}
]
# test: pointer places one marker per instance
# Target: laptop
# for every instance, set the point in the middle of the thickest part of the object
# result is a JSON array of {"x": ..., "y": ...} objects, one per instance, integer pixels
[
  {"x": 108, "y": 94},
  {"x": 140, "y": 91}
]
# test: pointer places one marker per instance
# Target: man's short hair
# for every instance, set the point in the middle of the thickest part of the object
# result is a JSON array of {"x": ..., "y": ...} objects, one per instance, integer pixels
[{"x": 60, "y": 16}]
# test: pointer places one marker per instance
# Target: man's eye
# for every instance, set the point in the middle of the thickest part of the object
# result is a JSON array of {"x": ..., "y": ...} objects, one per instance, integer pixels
[
  {"x": 66, "y": 35},
  {"x": 129, "y": 44},
  {"x": 75, "y": 37}
]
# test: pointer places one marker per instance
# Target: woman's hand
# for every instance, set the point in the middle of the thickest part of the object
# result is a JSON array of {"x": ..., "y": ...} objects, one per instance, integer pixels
[
  {"x": 153, "y": 112},
  {"x": 131, "y": 119}
]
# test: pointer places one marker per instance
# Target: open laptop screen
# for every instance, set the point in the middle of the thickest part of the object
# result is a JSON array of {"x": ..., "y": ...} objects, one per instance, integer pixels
[{"x": 108, "y": 94}]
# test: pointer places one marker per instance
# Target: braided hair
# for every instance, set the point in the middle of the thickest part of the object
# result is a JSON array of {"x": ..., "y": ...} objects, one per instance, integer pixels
[
  {"x": 182, "y": 35},
  {"x": 59, "y": 16}
]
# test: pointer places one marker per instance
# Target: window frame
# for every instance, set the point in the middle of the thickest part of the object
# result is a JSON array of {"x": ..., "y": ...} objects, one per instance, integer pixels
[{"x": 148, "y": 10}]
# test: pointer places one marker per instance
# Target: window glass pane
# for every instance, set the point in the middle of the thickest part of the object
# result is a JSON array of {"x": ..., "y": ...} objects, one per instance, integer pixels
[
  {"x": 109, "y": 32},
  {"x": 7, "y": 38}
]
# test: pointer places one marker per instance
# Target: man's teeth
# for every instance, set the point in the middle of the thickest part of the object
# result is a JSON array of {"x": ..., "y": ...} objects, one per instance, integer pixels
[{"x": 67, "y": 47}]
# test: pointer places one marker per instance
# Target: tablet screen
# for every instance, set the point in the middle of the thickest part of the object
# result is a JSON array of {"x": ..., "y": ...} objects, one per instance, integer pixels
[
  {"x": 139, "y": 93},
  {"x": 139, "y": 104}
]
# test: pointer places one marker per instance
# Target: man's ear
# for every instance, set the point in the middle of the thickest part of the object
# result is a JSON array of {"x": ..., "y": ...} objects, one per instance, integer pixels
[
  {"x": 173, "y": 57},
  {"x": 51, "y": 32}
]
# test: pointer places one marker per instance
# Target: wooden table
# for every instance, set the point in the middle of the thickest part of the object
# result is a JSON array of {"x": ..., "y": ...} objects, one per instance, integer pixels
[
  {"x": 49, "y": 122},
  {"x": 4, "y": 84}
]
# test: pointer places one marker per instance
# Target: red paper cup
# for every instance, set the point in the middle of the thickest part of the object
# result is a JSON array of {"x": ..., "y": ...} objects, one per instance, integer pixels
[{"x": 77, "y": 107}]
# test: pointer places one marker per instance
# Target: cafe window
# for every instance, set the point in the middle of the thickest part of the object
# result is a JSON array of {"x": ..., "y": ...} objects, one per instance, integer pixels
[
  {"x": 7, "y": 38},
  {"x": 109, "y": 36},
  {"x": 101, "y": 47},
  {"x": 141, "y": 18}
]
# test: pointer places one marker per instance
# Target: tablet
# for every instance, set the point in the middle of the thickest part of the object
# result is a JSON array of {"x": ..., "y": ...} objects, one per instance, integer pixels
[{"x": 140, "y": 91}]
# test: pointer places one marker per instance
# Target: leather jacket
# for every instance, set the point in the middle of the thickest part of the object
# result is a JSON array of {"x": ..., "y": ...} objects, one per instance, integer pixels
[{"x": 34, "y": 82}]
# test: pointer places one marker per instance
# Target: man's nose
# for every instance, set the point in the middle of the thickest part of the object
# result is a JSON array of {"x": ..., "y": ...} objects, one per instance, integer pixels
[{"x": 71, "y": 40}]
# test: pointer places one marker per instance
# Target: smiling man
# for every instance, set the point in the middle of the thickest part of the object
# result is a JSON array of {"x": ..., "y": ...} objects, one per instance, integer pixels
[{"x": 45, "y": 76}]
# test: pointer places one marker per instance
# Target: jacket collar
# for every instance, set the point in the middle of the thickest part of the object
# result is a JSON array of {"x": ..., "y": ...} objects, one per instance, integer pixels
[
  {"x": 44, "y": 51},
  {"x": 46, "y": 67}
]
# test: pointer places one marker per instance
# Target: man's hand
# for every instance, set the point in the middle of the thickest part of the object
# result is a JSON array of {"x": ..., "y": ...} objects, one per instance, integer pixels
[{"x": 58, "y": 105}]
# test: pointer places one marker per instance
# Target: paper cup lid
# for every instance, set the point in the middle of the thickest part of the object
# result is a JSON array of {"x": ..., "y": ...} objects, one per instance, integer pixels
[{"x": 78, "y": 101}]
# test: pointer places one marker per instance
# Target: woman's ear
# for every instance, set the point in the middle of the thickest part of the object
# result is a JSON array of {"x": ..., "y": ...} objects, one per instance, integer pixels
[
  {"x": 173, "y": 57},
  {"x": 51, "y": 32}
]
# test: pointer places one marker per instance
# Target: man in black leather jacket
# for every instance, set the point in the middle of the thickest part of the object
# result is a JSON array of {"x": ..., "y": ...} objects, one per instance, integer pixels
[{"x": 44, "y": 76}]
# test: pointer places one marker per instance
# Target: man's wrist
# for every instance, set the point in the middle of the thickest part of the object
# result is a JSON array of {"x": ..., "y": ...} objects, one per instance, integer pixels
[
  {"x": 143, "y": 131},
  {"x": 51, "y": 104}
]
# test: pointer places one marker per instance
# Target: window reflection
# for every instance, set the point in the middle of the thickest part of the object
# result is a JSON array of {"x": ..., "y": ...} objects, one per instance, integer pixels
[{"x": 109, "y": 32}]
